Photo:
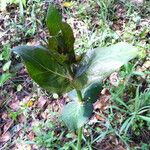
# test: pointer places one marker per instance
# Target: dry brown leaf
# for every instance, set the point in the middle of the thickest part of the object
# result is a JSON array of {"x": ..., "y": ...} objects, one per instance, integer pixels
[
  {"x": 1, "y": 102},
  {"x": 23, "y": 146},
  {"x": 102, "y": 103},
  {"x": 26, "y": 99},
  {"x": 93, "y": 120},
  {"x": 114, "y": 79},
  {"x": 35, "y": 123},
  {"x": 105, "y": 92},
  {"x": 31, "y": 136},
  {"x": 4, "y": 115},
  {"x": 98, "y": 117},
  {"x": 33, "y": 43},
  {"x": 7, "y": 125},
  {"x": 14, "y": 105},
  {"x": 137, "y": 2},
  {"x": 5, "y": 137},
  {"x": 45, "y": 114},
  {"x": 41, "y": 102},
  {"x": 119, "y": 147},
  {"x": 21, "y": 118}
]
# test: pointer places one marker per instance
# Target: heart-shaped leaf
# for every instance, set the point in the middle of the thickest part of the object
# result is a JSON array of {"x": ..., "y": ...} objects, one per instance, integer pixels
[
  {"x": 75, "y": 114},
  {"x": 101, "y": 62},
  {"x": 44, "y": 69}
]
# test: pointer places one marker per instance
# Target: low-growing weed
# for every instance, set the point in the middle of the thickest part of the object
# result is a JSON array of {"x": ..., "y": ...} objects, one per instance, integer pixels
[
  {"x": 51, "y": 135},
  {"x": 5, "y": 63}
]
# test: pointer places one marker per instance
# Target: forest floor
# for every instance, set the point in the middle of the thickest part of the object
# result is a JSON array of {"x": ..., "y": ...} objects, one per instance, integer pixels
[{"x": 29, "y": 115}]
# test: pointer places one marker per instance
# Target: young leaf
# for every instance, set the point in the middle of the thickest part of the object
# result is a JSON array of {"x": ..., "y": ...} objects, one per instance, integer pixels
[
  {"x": 76, "y": 114},
  {"x": 44, "y": 69},
  {"x": 62, "y": 40},
  {"x": 101, "y": 62},
  {"x": 68, "y": 38},
  {"x": 53, "y": 20}
]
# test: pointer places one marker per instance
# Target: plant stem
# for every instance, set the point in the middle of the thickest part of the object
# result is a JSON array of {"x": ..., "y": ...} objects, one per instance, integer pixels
[
  {"x": 80, "y": 130},
  {"x": 79, "y": 94}
]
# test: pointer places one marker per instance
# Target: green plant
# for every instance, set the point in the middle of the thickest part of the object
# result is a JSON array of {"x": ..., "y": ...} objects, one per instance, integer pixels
[
  {"x": 138, "y": 111},
  {"x": 135, "y": 112},
  {"x": 48, "y": 136},
  {"x": 55, "y": 68},
  {"x": 5, "y": 64}
]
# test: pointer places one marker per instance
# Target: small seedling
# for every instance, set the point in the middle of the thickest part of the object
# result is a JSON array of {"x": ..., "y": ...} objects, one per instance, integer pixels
[{"x": 55, "y": 68}]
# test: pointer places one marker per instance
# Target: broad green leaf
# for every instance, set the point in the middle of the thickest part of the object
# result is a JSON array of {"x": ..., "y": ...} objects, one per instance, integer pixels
[
  {"x": 53, "y": 20},
  {"x": 4, "y": 77},
  {"x": 44, "y": 69},
  {"x": 76, "y": 114},
  {"x": 90, "y": 94},
  {"x": 101, "y": 62}
]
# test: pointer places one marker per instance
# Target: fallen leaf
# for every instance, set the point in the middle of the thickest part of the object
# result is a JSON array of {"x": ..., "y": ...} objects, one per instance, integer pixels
[
  {"x": 105, "y": 92},
  {"x": 114, "y": 79},
  {"x": 67, "y": 4},
  {"x": 45, "y": 114},
  {"x": 5, "y": 137},
  {"x": 98, "y": 117},
  {"x": 21, "y": 118},
  {"x": 1, "y": 102},
  {"x": 102, "y": 103},
  {"x": 30, "y": 103},
  {"x": 4, "y": 115},
  {"x": 35, "y": 123},
  {"x": 119, "y": 147},
  {"x": 41, "y": 102},
  {"x": 8, "y": 125},
  {"x": 23, "y": 146},
  {"x": 17, "y": 128},
  {"x": 31, "y": 136},
  {"x": 33, "y": 43},
  {"x": 137, "y": 2},
  {"x": 93, "y": 120},
  {"x": 14, "y": 105},
  {"x": 26, "y": 99}
]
